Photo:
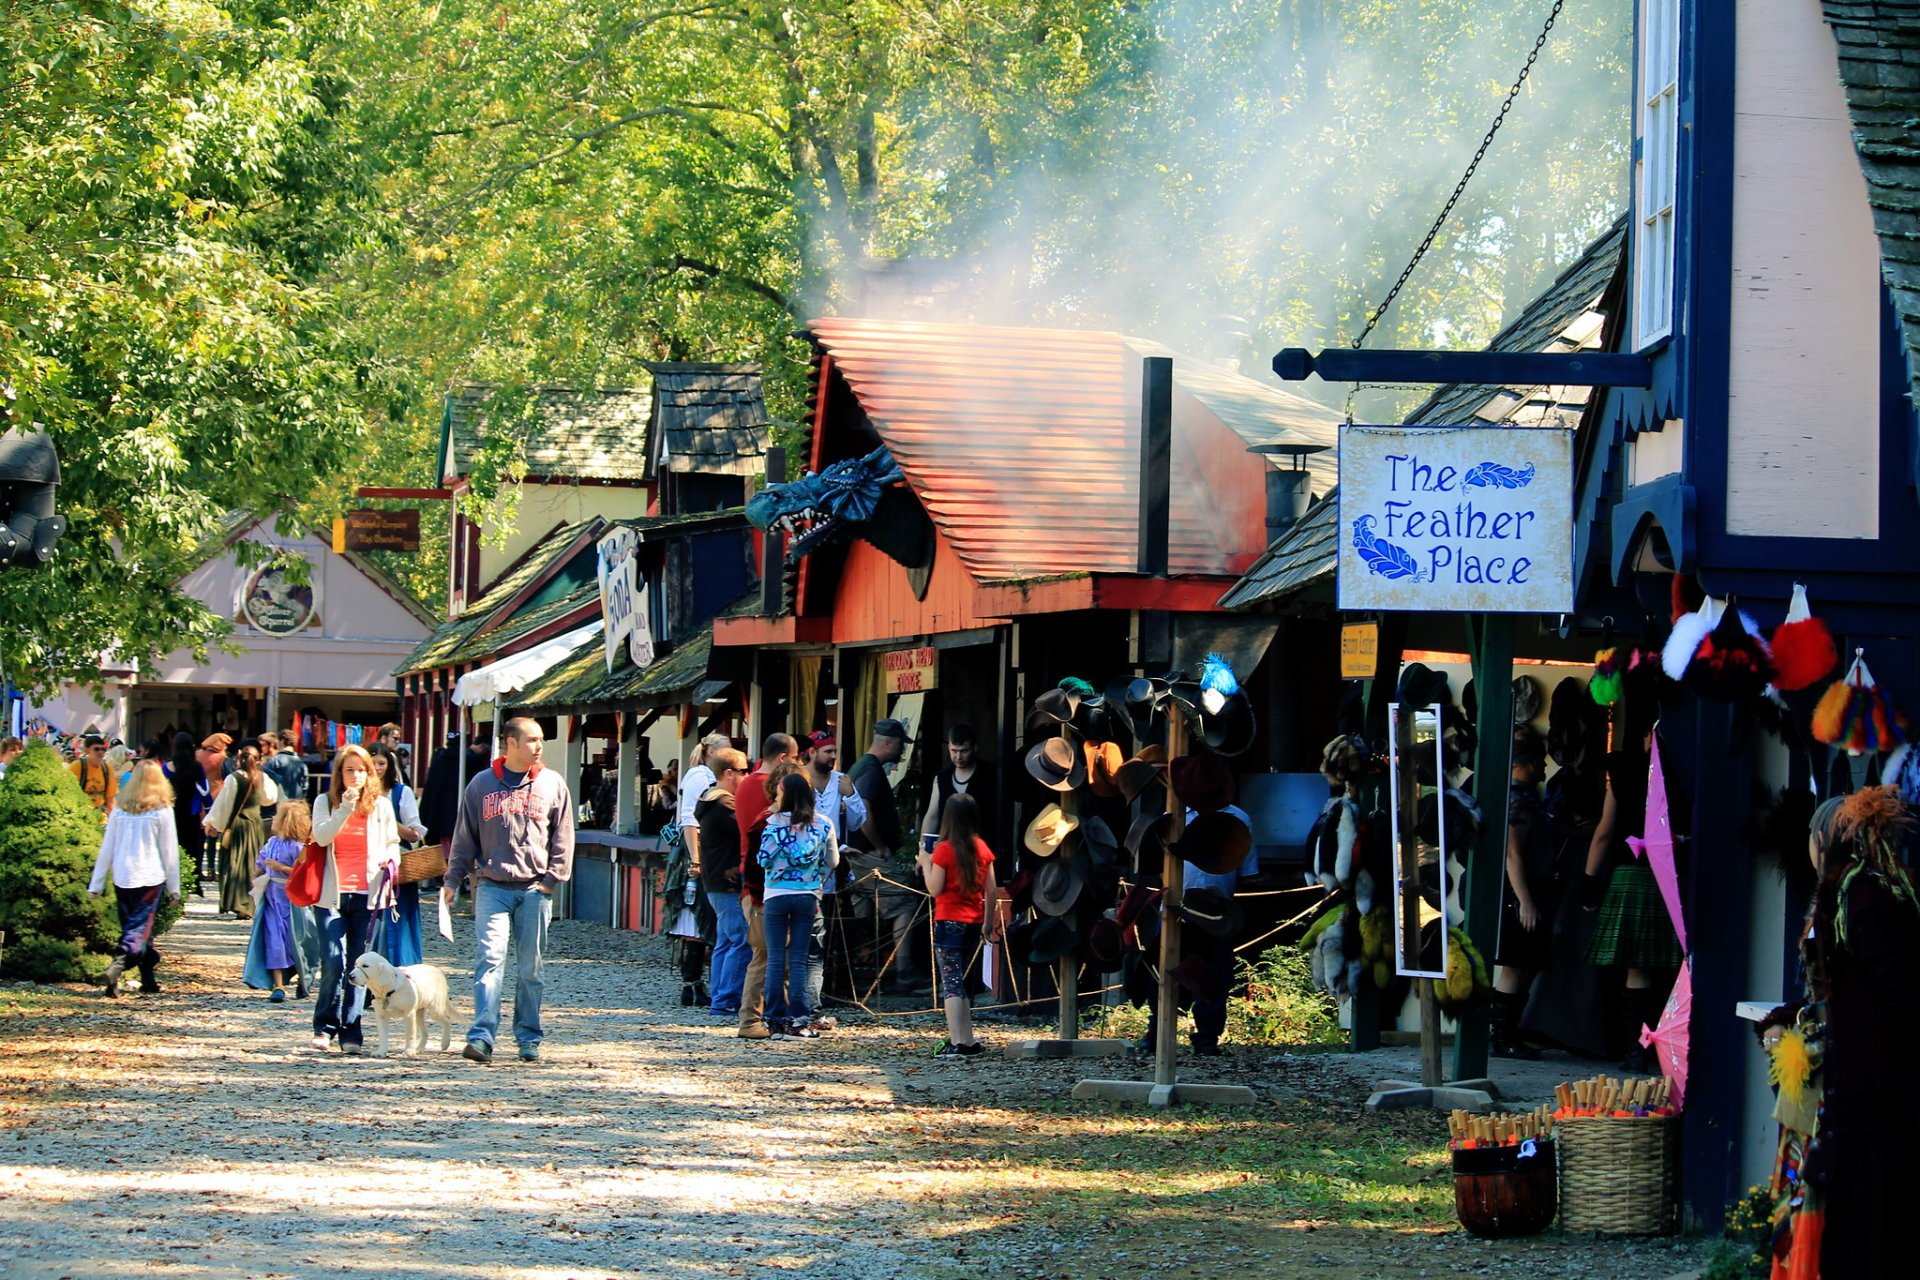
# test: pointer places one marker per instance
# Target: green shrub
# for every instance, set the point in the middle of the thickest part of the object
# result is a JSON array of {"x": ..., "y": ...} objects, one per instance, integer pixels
[
  {"x": 1279, "y": 1005},
  {"x": 1746, "y": 1248},
  {"x": 49, "y": 838}
]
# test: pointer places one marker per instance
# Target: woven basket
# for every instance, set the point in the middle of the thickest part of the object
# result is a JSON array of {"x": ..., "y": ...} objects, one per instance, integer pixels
[
  {"x": 1618, "y": 1176},
  {"x": 423, "y": 863}
]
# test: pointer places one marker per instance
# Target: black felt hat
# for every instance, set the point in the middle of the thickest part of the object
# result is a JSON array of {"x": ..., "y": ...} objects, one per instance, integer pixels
[{"x": 1213, "y": 911}]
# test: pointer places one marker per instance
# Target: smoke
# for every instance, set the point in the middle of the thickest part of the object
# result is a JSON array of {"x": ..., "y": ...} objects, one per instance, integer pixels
[{"x": 1238, "y": 176}]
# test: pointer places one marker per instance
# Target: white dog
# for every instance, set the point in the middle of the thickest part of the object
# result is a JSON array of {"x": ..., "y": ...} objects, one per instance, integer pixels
[{"x": 412, "y": 994}]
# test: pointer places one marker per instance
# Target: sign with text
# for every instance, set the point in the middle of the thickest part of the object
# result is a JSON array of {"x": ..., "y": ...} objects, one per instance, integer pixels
[
  {"x": 271, "y": 602},
  {"x": 623, "y": 605},
  {"x": 370, "y": 530},
  {"x": 1359, "y": 650},
  {"x": 1456, "y": 519},
  {"x": 911, "y": 670}
]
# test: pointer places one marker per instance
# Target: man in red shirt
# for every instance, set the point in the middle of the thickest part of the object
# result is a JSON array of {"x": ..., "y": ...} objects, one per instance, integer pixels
[{"x": 750, "y": 804}]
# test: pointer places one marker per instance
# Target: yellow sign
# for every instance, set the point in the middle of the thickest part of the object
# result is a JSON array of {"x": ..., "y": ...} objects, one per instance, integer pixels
[
  {"x": 911, "y": 670},
  {"x": 1359, "y": 650}
]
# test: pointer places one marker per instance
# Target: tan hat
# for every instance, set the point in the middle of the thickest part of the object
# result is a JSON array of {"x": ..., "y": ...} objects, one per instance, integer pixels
[
  {"x": 1049, "y": 828},
  {"x": 217, "y": 741}
]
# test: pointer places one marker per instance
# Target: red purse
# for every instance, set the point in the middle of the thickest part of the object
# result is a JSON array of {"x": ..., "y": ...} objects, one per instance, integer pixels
[{"x": 308, "y": 875}]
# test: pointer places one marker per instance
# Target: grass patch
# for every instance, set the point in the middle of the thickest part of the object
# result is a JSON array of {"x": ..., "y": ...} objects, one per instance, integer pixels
[{"x": 33, "y": 1001}]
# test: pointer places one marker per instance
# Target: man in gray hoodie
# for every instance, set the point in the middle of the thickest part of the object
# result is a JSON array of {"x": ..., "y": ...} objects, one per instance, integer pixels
[{"x": 516, "y": 829}]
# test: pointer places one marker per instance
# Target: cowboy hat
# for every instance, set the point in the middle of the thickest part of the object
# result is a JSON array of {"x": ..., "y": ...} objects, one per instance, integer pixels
[
  {"x": 1096, "y": 839},
  {"x": 1202, "y": 781},
  {"x": 1134, "y": 777},
  {"x": 1048, "y": 829},
  {"x": 1054, "y": 707},
  {"x": 1421, "y": 685},
  {"x": 1134, "y": 907},
  {"x": 1053, "y": 938},
  {"x": 1104, "y": 947},
  {"x": 1094, "y": 722},
  {"x": 1057, "y": 766},
  {"x": 1147, "y": 837},
  {"x": 1213, "y": 911},
  {"x": 1132, "y": 700},
  {"x": 1104, "y": 762},
  {"x": 1217, "y": 843},
  {"x": 1057, "y": 885},
  {"x": 1526, "y": 699}
]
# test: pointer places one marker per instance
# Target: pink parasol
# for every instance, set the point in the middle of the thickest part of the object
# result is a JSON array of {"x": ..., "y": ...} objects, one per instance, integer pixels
[
  {"x": 1671, "y": 1038},
  {"x": 1657, "y": 845}
]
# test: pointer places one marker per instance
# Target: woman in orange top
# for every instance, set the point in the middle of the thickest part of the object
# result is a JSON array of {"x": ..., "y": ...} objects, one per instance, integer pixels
[{"x": 354, "y": 820}]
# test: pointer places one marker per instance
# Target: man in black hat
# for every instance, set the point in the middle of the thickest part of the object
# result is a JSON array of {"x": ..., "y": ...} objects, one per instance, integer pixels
[
  {"x": 1212, "y": 953},
  {"x": 874, "y": 846}
]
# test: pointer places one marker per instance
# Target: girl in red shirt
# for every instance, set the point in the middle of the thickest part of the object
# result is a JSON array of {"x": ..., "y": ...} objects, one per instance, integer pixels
[{"x": 959, "y": 875}]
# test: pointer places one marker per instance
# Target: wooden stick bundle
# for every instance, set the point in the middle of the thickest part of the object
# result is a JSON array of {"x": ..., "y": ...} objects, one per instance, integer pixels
[
  {"x": 1649, "y": 1096},
  {"x": 1467, "y": 1131}
]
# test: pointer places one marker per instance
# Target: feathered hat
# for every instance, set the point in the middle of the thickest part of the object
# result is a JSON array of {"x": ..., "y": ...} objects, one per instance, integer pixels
[
  {"x": 1803, "y": 648},
  {"x": 1854, "y": 715}
]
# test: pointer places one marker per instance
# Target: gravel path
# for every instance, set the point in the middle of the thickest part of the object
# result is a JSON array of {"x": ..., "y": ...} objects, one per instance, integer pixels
[{"x": 193, "y": 1133}]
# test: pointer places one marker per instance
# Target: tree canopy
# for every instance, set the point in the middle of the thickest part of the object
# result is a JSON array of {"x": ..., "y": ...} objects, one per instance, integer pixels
[{"x": 244, "y": 251}]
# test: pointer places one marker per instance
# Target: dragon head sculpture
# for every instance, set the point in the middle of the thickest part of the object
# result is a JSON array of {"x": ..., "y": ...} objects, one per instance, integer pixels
[{"x": 824, "y": 505}]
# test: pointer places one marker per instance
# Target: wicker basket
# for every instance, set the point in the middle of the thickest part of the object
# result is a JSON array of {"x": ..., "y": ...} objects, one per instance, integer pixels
[
  {"x": 424, "y": 863},
  {"x": 1618, "y": 1176}
]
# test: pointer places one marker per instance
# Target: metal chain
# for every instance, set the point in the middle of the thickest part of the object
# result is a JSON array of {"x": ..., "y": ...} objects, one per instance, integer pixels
[{"x": 1460, "y": 188}]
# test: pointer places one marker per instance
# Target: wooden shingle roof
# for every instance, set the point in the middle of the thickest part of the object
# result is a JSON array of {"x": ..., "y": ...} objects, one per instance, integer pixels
[
  {"x": 471, "y": 634},
  {"x": 595, "y": 435},
  {"x": 1879, "y": 47},
  {"x": 708, "y": 419}
]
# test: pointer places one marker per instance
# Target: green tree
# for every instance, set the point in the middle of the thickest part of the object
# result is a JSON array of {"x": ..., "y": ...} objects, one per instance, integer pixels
[{"x": 49, "y": 839}]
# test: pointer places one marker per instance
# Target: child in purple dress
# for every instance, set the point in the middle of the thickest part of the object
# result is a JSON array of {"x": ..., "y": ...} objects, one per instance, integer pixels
[{"x": 272, "y": 953}]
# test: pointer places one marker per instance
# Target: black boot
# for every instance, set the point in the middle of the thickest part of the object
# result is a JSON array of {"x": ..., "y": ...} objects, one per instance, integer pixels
[
  {"x": 686, "y": 993},
  {"x": 1504, "y": 1020},
  {"x": 114, "y": 970},
  {"x": 1641, "y": 1007}
]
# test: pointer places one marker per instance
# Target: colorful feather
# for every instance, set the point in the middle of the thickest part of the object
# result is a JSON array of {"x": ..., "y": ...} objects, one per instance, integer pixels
[
  {"x": 1608, "y": 680},
  {"x": 1684, "y": 642},
  {"x": 1854, "y": 715},
  {"x": 1803, "y": 647}
]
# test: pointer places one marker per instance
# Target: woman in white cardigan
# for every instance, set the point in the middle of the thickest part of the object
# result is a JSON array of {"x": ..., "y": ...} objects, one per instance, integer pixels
[
  {"x": 354, "y": 820},
  {"x": 141, "y": 851}
]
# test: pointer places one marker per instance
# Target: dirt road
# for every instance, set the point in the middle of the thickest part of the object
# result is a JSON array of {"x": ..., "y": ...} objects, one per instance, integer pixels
[{"x": 193, "y": 1133}]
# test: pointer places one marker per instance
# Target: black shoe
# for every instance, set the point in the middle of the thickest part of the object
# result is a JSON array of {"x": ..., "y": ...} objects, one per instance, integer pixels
[
  {"x": 478, "y": 1051},
  {"x": 1208, "y": 1049},
  {"x": 686, "y": 994},
  {"x": 948, "y": 1049},
  {"x": 114, "y": 970},
  {"x": 150, "y": 987}
]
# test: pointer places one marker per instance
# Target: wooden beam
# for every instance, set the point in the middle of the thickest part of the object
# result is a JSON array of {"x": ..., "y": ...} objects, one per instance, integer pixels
[
  {"x": 371, "y": 492},
  {"x": 1489, "y": 368}
]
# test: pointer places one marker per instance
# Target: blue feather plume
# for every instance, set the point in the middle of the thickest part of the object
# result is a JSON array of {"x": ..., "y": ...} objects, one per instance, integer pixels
[
  {"x": 1491, "y": 475},
  {"x": 1381, "y": 556},
  {"x": 1216, "y": 676}
]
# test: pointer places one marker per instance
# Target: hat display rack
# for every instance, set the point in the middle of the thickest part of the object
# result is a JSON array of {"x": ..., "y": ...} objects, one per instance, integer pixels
[{"x": 1204, "y": 717}]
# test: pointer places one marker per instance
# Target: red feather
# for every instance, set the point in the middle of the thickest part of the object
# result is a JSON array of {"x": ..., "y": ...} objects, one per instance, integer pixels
[{"x": 1803, "y": 654}]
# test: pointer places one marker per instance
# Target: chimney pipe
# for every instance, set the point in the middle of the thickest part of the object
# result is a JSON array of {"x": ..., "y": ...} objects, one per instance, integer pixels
[
  {"x": 1156, "y": 463},
  {"x": 1288, "y": 493},
  {"x": 773, "y": 586}
]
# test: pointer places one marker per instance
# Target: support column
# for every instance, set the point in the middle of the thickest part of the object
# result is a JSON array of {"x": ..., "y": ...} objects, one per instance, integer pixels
[
  {"x": 570, "y": 747},
  {"x": 627, "y": 806}
]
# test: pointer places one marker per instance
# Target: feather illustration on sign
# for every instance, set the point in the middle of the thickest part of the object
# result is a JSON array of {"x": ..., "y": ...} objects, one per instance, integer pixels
[
  {"x": 1382, "y": 557},
  {"x": 1491, "y": 475}
]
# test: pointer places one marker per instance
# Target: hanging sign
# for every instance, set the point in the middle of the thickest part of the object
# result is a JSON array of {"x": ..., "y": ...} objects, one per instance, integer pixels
[
  {"x": 1456, "y": 519},
  {"x": 272, "y": 603},
  {"x": 371, "y": 530},
  {"x": 620, "y": 596},
  {"x": 911, "y": 670},
  {"x": 1359, "y": 650}
]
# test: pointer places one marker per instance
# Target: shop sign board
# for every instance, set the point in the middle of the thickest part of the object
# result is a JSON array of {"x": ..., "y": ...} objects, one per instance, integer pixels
[
  {"x": 623, "y": 601},
  {"x": 372, "y": 530},
  {"x": 1359, "y": 650},
  {"x": 911, "y": 670},
  {"x": 272, "y": 603},
  {"x": 1456, "y": 519}
]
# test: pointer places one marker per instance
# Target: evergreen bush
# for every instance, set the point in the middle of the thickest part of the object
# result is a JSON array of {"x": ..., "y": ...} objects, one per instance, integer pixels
[{"x": 49, "y": 838}]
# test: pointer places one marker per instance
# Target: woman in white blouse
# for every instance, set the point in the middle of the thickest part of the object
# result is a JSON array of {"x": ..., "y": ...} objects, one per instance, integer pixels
[
  {"x": 355, "y": 822},
  {"x": 141, "y": 852}
]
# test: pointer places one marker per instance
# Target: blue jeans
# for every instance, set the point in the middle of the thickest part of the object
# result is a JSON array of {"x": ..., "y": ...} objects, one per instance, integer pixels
[
  {"x": 731, "y": 951},
  {"x": 789, "y": 925},
  {"x": 501, "y": 911},
  {"x": 343, "y": 937},
  {"x": 817, "y": 958}
]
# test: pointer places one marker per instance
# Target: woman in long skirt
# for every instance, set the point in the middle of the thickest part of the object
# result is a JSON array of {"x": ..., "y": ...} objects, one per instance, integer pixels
[
  {"x": 398, "y": 934},
  {"x": 236, "y": 817},
  {"x": 277, "y": 949}
]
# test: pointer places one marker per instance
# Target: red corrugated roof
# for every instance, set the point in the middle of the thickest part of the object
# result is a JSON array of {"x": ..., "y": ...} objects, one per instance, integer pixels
[{"x": 1024, "y": 444}]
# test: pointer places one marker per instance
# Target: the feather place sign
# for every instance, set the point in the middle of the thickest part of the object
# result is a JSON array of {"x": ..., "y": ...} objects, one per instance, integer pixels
[{"x": 1456, "y": 519}]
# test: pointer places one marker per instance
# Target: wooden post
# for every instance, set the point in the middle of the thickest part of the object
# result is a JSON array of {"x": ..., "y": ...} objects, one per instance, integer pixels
[
  {"x": 1166, "y": 1043},
  {"x": 1067, "y": 974},
  {"x": 1364, "y": 1034},
  {"x": 1429, "y": 1034}
]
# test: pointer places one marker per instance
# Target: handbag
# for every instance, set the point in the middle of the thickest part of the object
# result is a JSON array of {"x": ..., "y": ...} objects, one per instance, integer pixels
[
  {"x": 424, "y": 863},
  {"x": 309, "y": 874}
]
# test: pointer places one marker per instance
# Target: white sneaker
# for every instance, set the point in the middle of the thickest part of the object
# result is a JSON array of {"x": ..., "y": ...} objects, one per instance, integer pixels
[{"x": 322, "y": 1043}]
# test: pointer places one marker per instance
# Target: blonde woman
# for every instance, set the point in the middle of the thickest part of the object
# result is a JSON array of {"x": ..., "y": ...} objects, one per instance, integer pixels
[
  {"x": 284, "y": 943},
  {"x": 355, "y": 821},
  {"x": 141, "y": 852}
]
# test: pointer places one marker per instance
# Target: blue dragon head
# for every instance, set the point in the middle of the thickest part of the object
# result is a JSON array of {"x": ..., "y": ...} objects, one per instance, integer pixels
[{"x": 825, "y": 504}]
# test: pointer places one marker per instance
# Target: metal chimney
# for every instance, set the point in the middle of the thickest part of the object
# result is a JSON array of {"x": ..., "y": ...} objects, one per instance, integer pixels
[{"x": 1156, "y": 463}]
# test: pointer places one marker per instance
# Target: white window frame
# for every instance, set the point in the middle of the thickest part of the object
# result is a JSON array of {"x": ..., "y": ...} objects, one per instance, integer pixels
[{"x": 1656, "y": 169}]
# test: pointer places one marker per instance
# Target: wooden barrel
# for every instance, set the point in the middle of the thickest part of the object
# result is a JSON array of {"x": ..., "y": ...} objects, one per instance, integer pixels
[{"x": 1506, "y": 1191}]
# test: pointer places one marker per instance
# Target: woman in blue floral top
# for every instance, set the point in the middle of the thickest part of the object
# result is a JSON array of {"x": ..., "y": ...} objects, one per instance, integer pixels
[{"x": 799, "y": 850}]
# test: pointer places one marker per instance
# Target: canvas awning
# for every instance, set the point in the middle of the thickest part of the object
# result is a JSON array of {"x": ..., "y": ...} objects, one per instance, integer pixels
[{"x": 511, "y": 674}]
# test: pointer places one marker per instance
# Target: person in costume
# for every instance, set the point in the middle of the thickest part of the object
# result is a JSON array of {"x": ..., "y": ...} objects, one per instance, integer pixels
[
  {"x": 1528, "y": 902},
  {"x": 1633, "y": 931},
  {"x": 1846, "y": 1054},
  {"x": 235, "y": 819},
  {"x": 284, "y": 942},
  {"x": 398, "y": 934},
  {"x": 959, "y": 875}
]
